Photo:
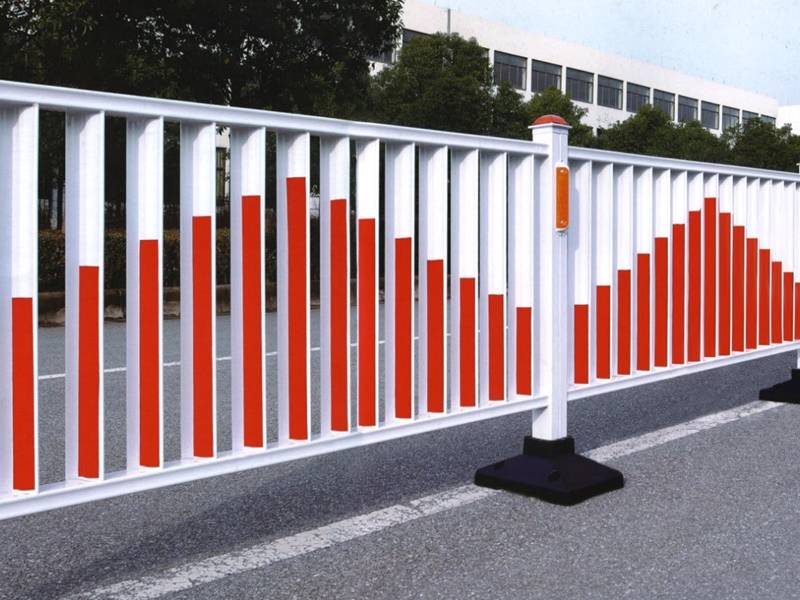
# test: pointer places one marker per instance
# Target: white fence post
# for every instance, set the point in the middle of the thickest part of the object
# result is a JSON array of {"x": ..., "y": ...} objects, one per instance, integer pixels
[
  {"x": 548, "y": 468},
  {"x": 550, "y": 423}
]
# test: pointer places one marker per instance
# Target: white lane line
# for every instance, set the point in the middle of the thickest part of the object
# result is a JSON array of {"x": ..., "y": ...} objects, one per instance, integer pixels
[
  {"x": 668, "y": 434},
  {"x": 177, "y": 363},
  {"x": 262, "y": 555}
]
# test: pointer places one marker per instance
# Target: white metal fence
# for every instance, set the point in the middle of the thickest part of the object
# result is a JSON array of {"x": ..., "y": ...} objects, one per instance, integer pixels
[{"x": 667, "y": 267}]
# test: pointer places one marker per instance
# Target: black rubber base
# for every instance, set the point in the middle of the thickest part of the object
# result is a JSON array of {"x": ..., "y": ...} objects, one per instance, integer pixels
[
  {"x": 551, "y": 471},
  {"x": 787, "y": 391}
]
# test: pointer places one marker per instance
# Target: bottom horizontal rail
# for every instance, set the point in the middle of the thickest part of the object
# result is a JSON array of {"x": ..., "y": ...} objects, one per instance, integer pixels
[
  {"x": 63, "y": 494},
  {"x": 622, "y": 382}
]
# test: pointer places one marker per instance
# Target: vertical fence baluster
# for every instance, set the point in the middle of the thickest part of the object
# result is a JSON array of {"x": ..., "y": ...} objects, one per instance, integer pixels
[
  {"x": 753, "y": 262},
  {"x": 520, "y": 276},
  {"x": 580, "y": 253},
  {"x": 776, "y": 251},
  {"x": 464, "y": 280},
  {"x": 198, "y": 283},
  {"x": 694, "y": 322},
  {"x": 795, "y": 237},
  {"x": 293, "y": 287},
  {"x": 643, "y": 212},
  {"x": 493, "y": 277},
  {"x": 738, "y": 268},
  {"x": 623, "y": 192},
  {"x": 399, "y": 282},
  {"x": 432, "y": 375},
  {"x": 367, "y": 202},
  {"x": 248, "y": 372},
  {"x": 679, "y": 290},
  {"x": 786, "y": 221},
  {"x": 603, "y": 224},
  {"x": 334, "y": 283},
  {"x": 84, "y": 191},
  {"x": 710, "y": 222},
  {"x": 724, "y": 270},
  {"x": 145, "y": 201},
  {"x": 662, "y": 218},
  {"x": 764, "y": 262},
  {"x": 19, "y": 443}
]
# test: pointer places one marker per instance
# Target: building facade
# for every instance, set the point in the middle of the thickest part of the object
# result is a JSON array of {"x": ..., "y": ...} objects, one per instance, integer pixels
[{"x": 609, "y": 87}]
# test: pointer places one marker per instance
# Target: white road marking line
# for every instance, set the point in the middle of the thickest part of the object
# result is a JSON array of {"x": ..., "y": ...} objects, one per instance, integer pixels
[
  {"x": 668, "y": 434},
  {"x": 262, "y": 555},
  {"x": 177, "y": 363}
]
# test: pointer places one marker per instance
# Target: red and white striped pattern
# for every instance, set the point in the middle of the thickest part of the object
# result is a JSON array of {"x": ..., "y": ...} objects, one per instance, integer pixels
[
  {"x": 145, "y": 384},
  {"x": 84, "y": 190},
  {"x": 493, "y": 353},
  {"x": 464, "y": 279},
  {"x": 399, "y": 277},
  {"x": 19, "y": 457},
  {"x": 198, "y": 304},
  {"x": 705, "y": 267},
  {"x": 248, "y": 369}
]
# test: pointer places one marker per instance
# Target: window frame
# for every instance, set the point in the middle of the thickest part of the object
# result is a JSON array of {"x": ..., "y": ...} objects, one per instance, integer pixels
[
  {"x": 693, "y": 103},
  {"x": 510, "y": 66},
  {"x": 603, "y": 86},
  {"x": 546, "y": 74},
  {"x": 656, "y": 100},
  {"x": 638, "y": 93},
  {"x": 584, "y": 81},
  {"x": 706, "y": 107},
  {"x": 727, "y": 114}
]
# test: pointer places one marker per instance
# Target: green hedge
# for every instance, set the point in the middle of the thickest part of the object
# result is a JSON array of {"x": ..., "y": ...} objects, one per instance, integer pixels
[{"x": 51, "y": 259}]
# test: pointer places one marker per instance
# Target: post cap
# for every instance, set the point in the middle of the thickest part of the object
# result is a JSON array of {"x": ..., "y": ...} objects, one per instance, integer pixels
[{"x": 549, "y": 119}]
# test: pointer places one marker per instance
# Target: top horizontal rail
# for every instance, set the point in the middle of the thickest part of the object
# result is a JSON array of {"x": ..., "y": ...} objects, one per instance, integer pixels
[
  {"x": 658, "y": 162},
  {"x": 123, "y": 105}
]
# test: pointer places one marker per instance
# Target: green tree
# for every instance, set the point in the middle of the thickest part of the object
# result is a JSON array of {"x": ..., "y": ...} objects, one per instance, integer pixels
[
  {"x": 552, "y": 101},
  {"x": 761, "y": 144},
  {"x": 439, "y": 82},
  {"x": 509, "y": 113}
]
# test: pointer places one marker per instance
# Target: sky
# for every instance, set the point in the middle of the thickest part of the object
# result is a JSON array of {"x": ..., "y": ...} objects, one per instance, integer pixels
[{"x": 747, "y": 44}]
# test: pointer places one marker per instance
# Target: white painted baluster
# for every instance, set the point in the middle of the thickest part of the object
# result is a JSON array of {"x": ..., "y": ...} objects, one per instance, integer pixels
[
  {"x": 710, "y": 265},
  {"x": 739, "y": 265},
  {"x": 248, "y": 370},
  {"x": 786, "y": 222},
  {"x": 399, "y": 282},
  {"x": 580, "y": 257},
  {"x": 367, "y": 195},
  {"x": 520, "y": 276},
  {"x": 623, "y": 291},
  {"x": 643, "y": 215},
  {"x": 19, "y": 430},
  {"x": 334, "y": 283},
  {"x": 464, "y": 279},
  {"x": 603, "y": 221},
  {"x": 725, "y": 252},
  {"x": 198, "y": 287},
  {"x": 145, "y": 207},
  {"x": 694, "y": 279},
  {"x": 662, "y": 219},
  {"x": 679, "y": 288},
  {"x": 84, "y": 191},
  {"x": 432, "y": 375},
  {"x": 493, "y": 351},
  {"x": 294, "y": 299}
]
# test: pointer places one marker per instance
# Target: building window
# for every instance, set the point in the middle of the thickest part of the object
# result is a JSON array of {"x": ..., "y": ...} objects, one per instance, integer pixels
[
  {"x": 665, "y": 102},
  {"x": 747, "y": 115},
  {"x": 544, "y": 75},
  {"x": 386, "y": 57},
  {"x": 710, "y": 115},
  {"x": 410, "y": 34},
  {"x": 580, "y": 85},
  {"x": 510, "y": 68},
  {"x": 609, "y": 92},
  {"x": 730, "y": 117},
  {"x": 687, "y": 109},
  {"x": 638, "y": 96},
  {"x": 766, "y": 119}
]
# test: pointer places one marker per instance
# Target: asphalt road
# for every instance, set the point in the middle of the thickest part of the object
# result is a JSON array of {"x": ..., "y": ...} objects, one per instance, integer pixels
[{"x": 713, "y": 515}]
